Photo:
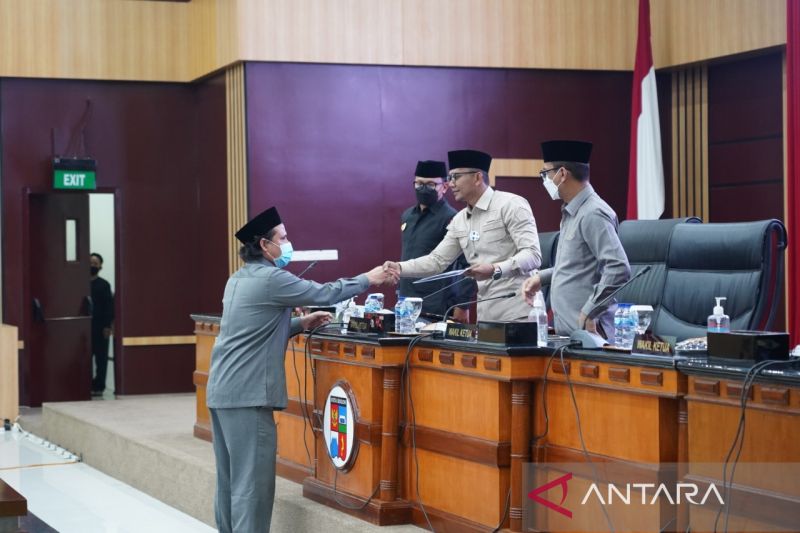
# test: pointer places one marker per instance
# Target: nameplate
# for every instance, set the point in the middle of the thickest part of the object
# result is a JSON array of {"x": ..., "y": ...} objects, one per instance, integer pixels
[
  {"x": 460, "y": 332},
  {"x": 358, "y": 325},
  {"x": 380, "y": 323},
  {"x": 650, "y": 344}
]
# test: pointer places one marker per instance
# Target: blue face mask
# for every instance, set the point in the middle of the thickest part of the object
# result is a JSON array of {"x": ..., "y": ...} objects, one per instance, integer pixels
[{"x": 286, "y": 255}]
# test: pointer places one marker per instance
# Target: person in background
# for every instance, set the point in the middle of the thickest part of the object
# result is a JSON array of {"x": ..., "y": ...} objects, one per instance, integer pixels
[
  {"x": 590, "y": 261},
  {"x": 496, "y": 232},
  {"x": 247, "y": 379},
  {"x": 423, "y": 226},
  {"x": 102, "y": 322}
]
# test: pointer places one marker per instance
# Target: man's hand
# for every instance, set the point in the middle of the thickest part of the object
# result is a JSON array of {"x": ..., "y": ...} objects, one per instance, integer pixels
[
  {"x": 315, "y": 319},
  {"x": 530, "y": 287},
  {"x": 106, "y": 333},
  {"x": 391, "y": 266},
  {"x": 461, "y": 315},
  {"x": 380, "y": 275},
  {"x": 480, "y": 272},
  {"x": 587, "y": 323}
]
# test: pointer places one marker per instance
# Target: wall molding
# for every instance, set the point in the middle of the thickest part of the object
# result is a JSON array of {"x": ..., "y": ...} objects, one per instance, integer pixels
[
  {"x": 236, "y": 104},
  {"x": 690, "y": 142},
  {"x": 166, "y": 340}
]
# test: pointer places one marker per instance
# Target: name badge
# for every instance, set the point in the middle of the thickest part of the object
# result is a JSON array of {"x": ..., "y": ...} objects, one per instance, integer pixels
[{"x": 474, "y": 235}]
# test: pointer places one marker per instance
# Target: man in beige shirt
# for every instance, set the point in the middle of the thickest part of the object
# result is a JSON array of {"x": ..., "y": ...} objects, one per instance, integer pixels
[{"x": 496, "y": 232}]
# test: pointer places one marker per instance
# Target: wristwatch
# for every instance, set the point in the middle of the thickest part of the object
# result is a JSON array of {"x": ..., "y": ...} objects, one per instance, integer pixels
[{"x": 497, "y": 273}]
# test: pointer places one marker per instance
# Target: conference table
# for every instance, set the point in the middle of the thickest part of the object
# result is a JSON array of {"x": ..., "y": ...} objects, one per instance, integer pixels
[{"x": 443, "y": 433}]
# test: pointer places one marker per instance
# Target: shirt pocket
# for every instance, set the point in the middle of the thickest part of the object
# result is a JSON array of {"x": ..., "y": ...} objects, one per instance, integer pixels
[
  {"x": 493, "y": 230},
  {"x": 462, "y": 236}
]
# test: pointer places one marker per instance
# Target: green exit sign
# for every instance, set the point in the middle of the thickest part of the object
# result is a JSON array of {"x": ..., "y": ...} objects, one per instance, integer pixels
[
  {"x": 74, "y": 173},
  {"x": 74, "y": 179}
]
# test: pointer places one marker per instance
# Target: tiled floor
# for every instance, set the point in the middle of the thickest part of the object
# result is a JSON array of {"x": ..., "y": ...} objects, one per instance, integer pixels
[{"x": 70, "y": 496}]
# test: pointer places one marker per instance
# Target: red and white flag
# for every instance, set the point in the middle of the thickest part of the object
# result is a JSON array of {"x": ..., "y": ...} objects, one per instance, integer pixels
[{"x": 646, "y": 171}]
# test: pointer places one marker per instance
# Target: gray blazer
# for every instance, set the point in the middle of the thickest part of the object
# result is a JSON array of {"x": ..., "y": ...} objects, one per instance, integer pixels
[{"x": 247, "y": 362}]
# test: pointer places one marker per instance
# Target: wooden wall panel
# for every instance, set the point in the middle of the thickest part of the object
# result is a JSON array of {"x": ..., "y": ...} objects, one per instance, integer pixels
[
  {"x": 149, "y": 140},
  {"x": 107, "y": 39},
  {"x": 690, "y": 142},
  {"x": 320, "y": 31},
  {"x": 745, "y": 139},
  {"x": 236, "y": 104},
  {"x": 687, "y": 31},
  {"x": 177, "y": 41},
  {"x": 567, "y": 34},
  {"x": 365, "y": 127}
]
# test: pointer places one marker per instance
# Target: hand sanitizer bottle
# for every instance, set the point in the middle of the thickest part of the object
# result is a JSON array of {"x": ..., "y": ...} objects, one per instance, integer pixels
[{"x": 719, "y": 322}]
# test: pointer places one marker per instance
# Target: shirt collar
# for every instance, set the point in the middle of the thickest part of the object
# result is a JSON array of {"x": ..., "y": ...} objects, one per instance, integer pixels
[
  {"x": 579, "y": 200},
  {"x": 485, "y": 199}
]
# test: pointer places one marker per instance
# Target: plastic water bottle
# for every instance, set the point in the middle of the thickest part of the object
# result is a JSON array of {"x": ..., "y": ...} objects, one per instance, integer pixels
[
  {"x": 539, "y": 315},
  {"x": 619, "y": 325},
  {"x": 400, "y": 315},
  {"x": 629, "y": 331},
  {"x": 624, "y": 326}
]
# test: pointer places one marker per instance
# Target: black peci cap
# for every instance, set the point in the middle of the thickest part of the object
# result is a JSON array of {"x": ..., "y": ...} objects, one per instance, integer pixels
[
  {"x": 568, "y": 151},
  {"x": 431, "y": 169},
  {"x": 260, "y": 225},
  {"x": 469, "y": 159}
]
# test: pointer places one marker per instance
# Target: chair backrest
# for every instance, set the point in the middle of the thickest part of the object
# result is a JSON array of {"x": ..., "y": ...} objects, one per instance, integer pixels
[
  {"x": 646, "y": 243},
  {"x": 742, "y": 261},
  {"x": 548, "y": 244}
]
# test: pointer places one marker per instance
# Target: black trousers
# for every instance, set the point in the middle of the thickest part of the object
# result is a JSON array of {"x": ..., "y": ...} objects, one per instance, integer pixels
[{"x": 100, "y": 352}]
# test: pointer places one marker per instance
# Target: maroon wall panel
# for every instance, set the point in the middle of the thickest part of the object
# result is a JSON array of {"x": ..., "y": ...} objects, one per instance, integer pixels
[
  {"x": 334, "y": 146},
  {"x": 745, "y": 137},
  {"x": 153, "y": 149}
]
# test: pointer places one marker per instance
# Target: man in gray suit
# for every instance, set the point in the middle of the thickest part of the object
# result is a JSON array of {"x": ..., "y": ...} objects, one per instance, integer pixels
[{"x": 247, "y": 380}]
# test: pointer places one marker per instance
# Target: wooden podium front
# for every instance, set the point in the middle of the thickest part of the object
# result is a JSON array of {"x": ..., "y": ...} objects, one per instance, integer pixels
[
  {"x": 455, "y": 456},
  {"x": 370, "y": 371}
]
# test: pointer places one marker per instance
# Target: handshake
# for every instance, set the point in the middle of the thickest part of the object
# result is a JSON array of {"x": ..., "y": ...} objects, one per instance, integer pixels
[{"x": 384, "y": 275}]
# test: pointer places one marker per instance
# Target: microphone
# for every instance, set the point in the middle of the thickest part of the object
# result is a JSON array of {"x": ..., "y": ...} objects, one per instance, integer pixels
[
  {"x": 447, "y": 287},
  {"x": 309, "y": 267},
  {"x": 476, "y": 301},
  {"x": 593, "y": 340}
]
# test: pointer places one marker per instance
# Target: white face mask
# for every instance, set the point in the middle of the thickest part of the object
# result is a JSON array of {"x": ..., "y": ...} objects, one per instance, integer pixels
[{"x": 552, "y": 188}]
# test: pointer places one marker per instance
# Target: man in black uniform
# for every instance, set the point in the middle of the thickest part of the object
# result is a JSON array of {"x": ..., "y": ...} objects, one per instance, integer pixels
[
  {"x": 423, "y": 227},
  {"x": 102, "y": 319}
]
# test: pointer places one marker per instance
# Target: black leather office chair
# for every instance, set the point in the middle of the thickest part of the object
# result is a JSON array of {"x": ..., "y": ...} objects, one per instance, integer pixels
[
  {"x": 646, "y": 243},
  {"x": 742, "y": 261},
  {"x": 548, "y": 244}
]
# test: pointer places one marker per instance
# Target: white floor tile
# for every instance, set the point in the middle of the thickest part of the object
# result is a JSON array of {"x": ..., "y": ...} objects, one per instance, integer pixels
[{"x": 73, "y": 497}]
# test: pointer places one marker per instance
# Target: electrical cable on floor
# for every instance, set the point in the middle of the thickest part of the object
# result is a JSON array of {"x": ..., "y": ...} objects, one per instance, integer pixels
[{"x": 55, "y": 448}]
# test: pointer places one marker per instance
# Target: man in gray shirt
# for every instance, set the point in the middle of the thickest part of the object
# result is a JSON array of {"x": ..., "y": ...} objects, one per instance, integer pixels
[
  {"x": 590, "y": 262},
  {"x": 247, "y": 380}
]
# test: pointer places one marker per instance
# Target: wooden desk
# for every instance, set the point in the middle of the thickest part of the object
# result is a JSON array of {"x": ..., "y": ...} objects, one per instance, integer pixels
[
  {"x": 12, "y": 506},
  {"x": 477, "y": 409},
  {"x": 767, "y": 470}
]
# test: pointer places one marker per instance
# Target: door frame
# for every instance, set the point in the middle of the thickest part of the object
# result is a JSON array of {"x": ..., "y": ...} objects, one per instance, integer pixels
[{"x": 27, "y": 308}]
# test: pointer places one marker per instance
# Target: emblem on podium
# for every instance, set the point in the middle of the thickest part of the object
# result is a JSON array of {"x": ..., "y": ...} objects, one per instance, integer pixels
[{"x": 339, "y": 427}]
